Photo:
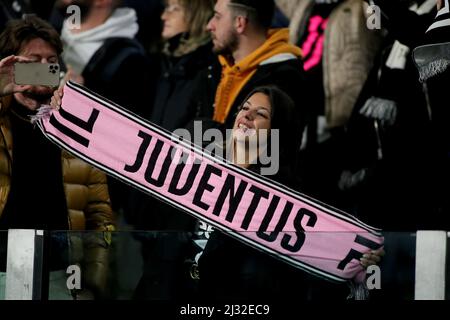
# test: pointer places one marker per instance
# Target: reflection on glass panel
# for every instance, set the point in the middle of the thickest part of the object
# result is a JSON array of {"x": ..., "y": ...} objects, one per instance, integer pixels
[
  {"x": 397, "y": 268},
  {"x": 210, "y": 265},
  {"x": 204, "y": 266},
  {"x": 93, "y": 265},
  {"x": 170, "y": 265},
  {"x": 3, "y": 250}
]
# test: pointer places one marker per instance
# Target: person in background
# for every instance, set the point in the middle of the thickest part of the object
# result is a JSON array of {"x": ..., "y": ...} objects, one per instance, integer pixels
[
  {"x": 104, "y": 56},
  {"x": 338, "y": 53},
  {"x": 391, "y": 118},
  {"x": 42, "y": 187},
  {"x": 250, "y": 54},
  {"x": 187, "y": 51},
  {"x": 147, "y": 11}
]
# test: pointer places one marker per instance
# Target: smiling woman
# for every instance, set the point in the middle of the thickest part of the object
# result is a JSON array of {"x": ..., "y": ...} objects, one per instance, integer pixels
[
  {"x": 266, "y": 109},
  {"x": 227, "y": 268}
]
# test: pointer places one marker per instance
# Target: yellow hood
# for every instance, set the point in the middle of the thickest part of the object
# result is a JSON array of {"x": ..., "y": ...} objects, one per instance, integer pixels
[
  {"x": 277, "y": 43},
  {"x": 235, "y": 76}
]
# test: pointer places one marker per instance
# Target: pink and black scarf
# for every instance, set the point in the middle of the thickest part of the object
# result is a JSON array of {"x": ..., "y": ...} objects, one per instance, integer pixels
[{"x": 253, "y": 209}]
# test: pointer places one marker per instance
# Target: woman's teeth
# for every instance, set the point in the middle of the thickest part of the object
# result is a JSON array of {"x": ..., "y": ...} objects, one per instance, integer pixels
[
  {"x": 243, "y": 127},
  {"x": 246, "y": 131}
]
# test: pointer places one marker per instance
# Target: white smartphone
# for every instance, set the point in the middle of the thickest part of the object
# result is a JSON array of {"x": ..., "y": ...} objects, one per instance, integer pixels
[{"x": 38, "y": 74}]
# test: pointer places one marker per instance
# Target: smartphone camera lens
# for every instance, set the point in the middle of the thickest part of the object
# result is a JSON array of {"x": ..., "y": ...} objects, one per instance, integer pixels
[{"x": 53, "y": 68}]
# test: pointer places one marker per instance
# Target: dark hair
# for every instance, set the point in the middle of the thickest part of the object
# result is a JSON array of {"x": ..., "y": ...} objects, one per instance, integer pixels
[
  {"x": 260, "y": 12},
  {"x": 20, "y": 31},
  {"x": 285, "y": 118}
]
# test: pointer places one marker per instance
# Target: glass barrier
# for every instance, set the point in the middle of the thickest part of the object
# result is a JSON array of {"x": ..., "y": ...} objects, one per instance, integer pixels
[
  {"x": 3, "y": 251},
  {"x": 162, "y": 266},
  {"x": 172, "y": 266}
]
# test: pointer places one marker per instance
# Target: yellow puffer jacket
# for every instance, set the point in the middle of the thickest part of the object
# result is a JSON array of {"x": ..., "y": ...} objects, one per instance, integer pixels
[{"x": 87, "y": 200}]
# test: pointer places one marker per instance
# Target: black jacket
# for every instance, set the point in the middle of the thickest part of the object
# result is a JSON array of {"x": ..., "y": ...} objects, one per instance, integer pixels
[
  {"x": 164, "y": 272},
  {"x": 231, "y": 270},
  {"x": 411, "y": 167},
  {"x": 172, "y": 108},
  {"x": 121, "y": 72}
]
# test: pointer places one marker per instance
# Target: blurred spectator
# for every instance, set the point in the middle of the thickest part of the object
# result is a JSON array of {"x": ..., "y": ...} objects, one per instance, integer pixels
[
  {"x": 339, "y": 51},
  {"x": 147, "y": 11},
  {"x": 390, "y": 146},
  {"x": 60, "y": 191},
  {"x": 187, "y": 51},
  {"x": 111, "y": 62},
  {"x": 104, "y": 52},
  {"x": 250, "y": 55}
]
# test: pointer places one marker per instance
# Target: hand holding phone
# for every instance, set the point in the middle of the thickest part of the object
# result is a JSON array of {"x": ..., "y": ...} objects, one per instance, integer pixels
[
  {"x": 7, "y": 84},
  {"x": 37, "y": 74}
]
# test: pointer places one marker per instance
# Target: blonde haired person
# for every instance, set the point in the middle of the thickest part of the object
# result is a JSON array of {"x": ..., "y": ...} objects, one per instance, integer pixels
[
  {"x": 187, "y": 51},
  {"x": 188, "y": 19}
]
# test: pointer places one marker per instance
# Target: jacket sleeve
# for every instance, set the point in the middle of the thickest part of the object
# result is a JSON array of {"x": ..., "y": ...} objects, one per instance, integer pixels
[
  {"x": 98, "y": 212},
  {"x": 99, "y": 216}
]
